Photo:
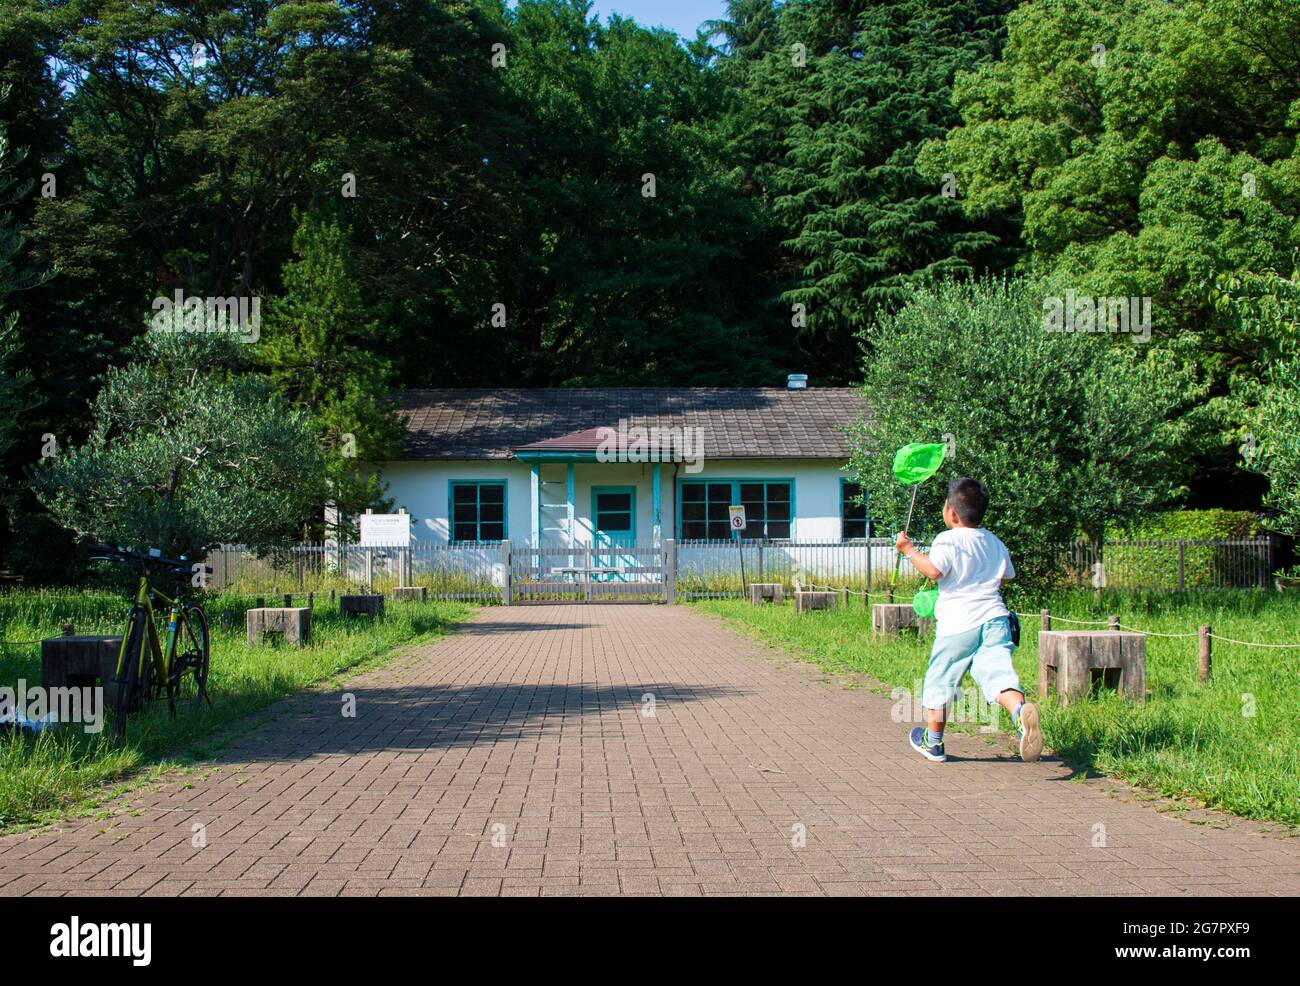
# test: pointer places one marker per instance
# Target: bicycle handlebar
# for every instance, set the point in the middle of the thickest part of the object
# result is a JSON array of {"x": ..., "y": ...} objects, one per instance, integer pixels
[{"x": 153, "y": 558}]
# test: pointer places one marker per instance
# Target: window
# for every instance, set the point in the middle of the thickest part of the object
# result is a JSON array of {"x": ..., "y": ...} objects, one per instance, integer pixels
[
  {"x": 704, "y": 511},
  {"x": 854, "y": 522},
  {"x": 768, "y": 508},
  {"x": 478, "y": 511},
  {"x": 614, "y": 510}
]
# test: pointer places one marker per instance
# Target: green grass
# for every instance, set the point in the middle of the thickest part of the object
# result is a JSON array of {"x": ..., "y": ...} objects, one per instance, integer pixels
[
  {"x": 62, "y": 770},
  {"x": 1230, "y": 745}
]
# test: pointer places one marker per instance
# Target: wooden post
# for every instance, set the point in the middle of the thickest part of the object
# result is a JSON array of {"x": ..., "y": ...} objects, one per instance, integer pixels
[
  {"x": 69, "y": 629},
  {"x": 311, "y": 599},
  {"x": 331, "y": 597},
  {"x": 288, "y": 600},
  {"x": 1114, "y": 623},
  {"x": 260, "y": 604},
  {"x": 506, "y": 596},
  {"x": 1204, "y": 655},
  {"x": 1047, "y": 620},
  {"x": 844, "y": 598},
  {"x": 889, "y": 596},
  {"x": 670, "y": 570}
]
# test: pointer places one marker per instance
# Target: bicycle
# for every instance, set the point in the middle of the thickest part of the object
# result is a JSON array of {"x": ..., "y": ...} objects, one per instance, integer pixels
[{"x": 147, "y": 668}]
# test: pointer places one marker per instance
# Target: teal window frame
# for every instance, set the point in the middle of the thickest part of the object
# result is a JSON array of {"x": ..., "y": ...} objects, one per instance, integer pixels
[
  {"x": 735, "y": 483},
  {"x": 630, "y": 533},
  {"x": 846, "y": 503},
  {"x": 478, "y": 522}
]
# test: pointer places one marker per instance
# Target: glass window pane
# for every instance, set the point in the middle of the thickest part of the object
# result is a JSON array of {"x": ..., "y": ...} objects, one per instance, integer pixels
[
  {"x": 465, "y": 532},
  {"x": 778, "y": 529},
  {"x": 492, "y": 532},
  {"x": 694, "y": 530},
  {"x": 613, "y": 501},
  {"x": 778, "y": 491},
  {"x": 614, "y": 522},
  {"x": 464, "y": 493},
  {"x": 750, "y": 492},
  {"x": 719, "y": 531},
  {"x": 855, "y": 529},
  {"x": 718, "y": 510},
  {"x": 692, "y": 492},
  {"x": 720, "y": 491},
  {"x": 492, "y": 512},
  {"x": 778, "y": 511},
  {"x": 491, "y": 493}
]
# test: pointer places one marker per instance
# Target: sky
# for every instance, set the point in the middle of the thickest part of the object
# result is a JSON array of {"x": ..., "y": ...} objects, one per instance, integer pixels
[{"x": 682, "y": 16}]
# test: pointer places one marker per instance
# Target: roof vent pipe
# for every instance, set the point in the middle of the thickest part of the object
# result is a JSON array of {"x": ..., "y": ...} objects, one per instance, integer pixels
[{"x": 796, "y": 381}]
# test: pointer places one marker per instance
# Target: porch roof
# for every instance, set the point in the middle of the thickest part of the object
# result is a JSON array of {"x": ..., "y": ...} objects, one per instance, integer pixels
[{"x": 735, "y": 423}]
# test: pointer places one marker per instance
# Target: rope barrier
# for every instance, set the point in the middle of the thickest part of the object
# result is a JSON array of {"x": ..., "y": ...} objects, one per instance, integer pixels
[
  {"x": 1097, "y": 623},
  {"x": 1249, "y": 643}
]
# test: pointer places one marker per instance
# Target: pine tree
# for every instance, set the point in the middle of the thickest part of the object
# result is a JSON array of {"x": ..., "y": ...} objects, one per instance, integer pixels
[
  {"x": 857, "y": 88},
  {"x": 322, "y": 353}
]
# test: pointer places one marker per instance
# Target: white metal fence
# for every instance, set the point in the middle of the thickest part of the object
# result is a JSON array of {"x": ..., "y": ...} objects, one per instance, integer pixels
[{"x": 500, "y": 571}]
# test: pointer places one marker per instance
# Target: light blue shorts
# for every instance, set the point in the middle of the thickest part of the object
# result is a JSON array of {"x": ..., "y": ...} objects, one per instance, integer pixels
[{"x": 985, "y": 651}]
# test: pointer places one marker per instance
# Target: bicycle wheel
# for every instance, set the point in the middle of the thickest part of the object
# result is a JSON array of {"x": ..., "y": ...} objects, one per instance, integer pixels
[
  {"x": 194, "y": 657},
  {"x": 129, "y": 691}
]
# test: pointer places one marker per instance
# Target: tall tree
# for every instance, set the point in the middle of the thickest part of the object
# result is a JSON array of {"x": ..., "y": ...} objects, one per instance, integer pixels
[
  {"x": 323, "y": 355},
  {"x": 1070, "y": 432},
  {"x": 855, "y": 89}
]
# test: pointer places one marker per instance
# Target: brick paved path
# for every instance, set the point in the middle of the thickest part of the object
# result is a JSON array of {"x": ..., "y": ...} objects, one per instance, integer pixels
[{"x": 527, "y": 730}]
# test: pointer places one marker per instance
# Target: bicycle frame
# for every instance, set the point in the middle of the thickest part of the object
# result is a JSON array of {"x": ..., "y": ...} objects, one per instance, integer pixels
[{"x": 153, "y": 645}]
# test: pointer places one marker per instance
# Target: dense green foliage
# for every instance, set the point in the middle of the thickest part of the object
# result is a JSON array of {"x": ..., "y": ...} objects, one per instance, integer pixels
[
  {"x": 483, "y": 193},
  {"x": 1069, "y": 432},
  {"x": 185, "y": 454}
]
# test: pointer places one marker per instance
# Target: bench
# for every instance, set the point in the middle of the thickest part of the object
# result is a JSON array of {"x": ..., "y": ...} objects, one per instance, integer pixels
[
  {"x": 890, "y": 619},
  {"x": 771, "y": 592},
  {"x": 294, "y": 623},
  {"x": 1071, "y": 661}
]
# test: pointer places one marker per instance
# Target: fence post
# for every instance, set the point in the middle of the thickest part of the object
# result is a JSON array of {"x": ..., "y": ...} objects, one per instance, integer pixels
[
  {"x": 506, "y": 596},
  {"x": 1046, "y": 620},
  {"x": 1182, "y": 566},
  {"x": 1114, "y": 624},
  {"x": 670, "y": 571},
  {"x": 1203, "y": 658}
]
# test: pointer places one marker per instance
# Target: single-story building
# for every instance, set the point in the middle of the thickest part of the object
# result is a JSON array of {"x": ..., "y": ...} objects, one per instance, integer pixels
[{"x": 610, "y": 466}]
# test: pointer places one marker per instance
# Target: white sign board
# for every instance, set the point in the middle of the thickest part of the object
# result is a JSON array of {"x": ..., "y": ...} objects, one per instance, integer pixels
[
  {"x": 737, "y": 515},
  {"x": 386, "y": 530}
]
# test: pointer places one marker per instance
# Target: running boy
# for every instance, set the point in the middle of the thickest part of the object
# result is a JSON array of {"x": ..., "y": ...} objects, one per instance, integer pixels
[{"x": 972, "y": 624}]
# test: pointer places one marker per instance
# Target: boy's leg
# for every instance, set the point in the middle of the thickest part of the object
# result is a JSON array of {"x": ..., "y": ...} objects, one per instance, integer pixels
[
  {"x": 993, "y": 672},
  {"x": 949, "y": 659}
]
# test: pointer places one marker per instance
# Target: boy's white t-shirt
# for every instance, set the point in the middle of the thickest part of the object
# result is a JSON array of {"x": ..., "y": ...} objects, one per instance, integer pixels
[{"x": 973, "y": 563}]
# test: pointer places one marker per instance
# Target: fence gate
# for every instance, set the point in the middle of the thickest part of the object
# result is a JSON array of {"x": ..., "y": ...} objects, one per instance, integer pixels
[{"x": 585, "y": 573}]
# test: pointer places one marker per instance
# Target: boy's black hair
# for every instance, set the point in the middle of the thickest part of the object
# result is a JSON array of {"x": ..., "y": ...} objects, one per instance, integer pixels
[{"x": 969, "y": 499}]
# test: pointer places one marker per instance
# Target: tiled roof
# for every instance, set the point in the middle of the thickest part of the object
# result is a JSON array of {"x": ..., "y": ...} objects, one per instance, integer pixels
[{"x": 736, "y": 423}]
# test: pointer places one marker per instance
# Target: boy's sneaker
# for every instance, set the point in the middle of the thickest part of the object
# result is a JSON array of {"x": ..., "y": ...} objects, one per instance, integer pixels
[
  {"x": 1031, "y": 736},
  {"x": 931, "y": 751}
]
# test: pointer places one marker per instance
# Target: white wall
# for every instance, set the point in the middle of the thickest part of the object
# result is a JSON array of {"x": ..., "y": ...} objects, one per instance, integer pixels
[{"x": 422, "y": 488}]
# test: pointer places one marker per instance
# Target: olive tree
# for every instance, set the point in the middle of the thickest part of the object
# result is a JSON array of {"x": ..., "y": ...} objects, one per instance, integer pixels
[
  {"x": 185, "y": 453},
  {"x": 1070, "y": 431}
]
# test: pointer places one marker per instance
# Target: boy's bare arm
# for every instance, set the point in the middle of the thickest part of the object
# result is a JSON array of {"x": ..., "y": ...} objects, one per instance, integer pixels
[{"x": 919, "y": 561}]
